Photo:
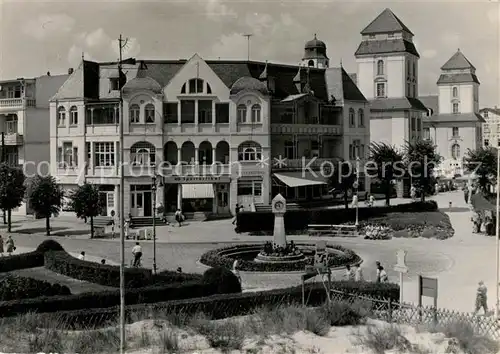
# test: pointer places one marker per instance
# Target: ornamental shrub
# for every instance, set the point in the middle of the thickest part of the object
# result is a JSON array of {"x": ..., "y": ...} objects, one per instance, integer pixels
[
  {"x": 15, "y": 287},
  {"x": 220, "y": 280},
  {"x": 49, "y": 245},
  {"x": 21, "y": 261}
]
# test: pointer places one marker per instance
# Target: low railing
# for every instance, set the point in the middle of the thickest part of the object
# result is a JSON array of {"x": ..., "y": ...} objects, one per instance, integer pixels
[{"x": 17, "y": 102}]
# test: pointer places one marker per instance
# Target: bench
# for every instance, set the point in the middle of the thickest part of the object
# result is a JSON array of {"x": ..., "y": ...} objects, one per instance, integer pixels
[{"x": 333, "y": 230}]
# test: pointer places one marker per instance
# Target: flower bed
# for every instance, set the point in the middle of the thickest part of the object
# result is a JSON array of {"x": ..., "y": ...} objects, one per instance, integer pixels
[
  {"x": 225, "y": 257},
  {"x": 15, "y": 287},
  {"x": 377, "y": 232}
]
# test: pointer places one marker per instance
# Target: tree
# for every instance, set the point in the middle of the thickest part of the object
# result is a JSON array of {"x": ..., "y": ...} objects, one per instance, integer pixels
[
  {"x": 483, "y": 163},
  {"x": 421, "y": 159},
  {"x": 46, "y": 198},
  {"x": 386, "y": 162},
  {"x": 12, "y": 190},
  {"x": 85, "y": 203},
  {"x": 343, "y": 179}
]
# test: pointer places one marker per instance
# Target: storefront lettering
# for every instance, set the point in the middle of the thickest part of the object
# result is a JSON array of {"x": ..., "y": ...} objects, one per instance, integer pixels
[{"x": 181, "y": 179}]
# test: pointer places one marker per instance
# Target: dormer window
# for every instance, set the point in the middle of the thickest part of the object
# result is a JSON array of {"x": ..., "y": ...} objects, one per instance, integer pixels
[
  {"x": 114, "y": 84},
  {"x": 380, "y": 67}
]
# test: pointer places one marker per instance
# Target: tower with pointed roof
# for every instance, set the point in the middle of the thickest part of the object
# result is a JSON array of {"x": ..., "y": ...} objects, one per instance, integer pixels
[
  {"x": 315, "y": 54},
  {"x": 387, "y": 75}
]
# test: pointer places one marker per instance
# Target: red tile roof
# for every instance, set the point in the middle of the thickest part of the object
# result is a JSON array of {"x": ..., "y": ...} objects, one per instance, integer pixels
[{"x": 386, "y": 22}]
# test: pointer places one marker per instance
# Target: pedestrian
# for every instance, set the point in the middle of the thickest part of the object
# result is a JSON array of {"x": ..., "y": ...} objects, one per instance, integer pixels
[
  {"x": 10, "y": 245},
  {"x": 476, "y": 222},
  {"x": 236, "y": 271},
  {"x": 113, "y": 223},
  {"x": 349, "y": 273},
  {"x": 378, "y": 265},
  {"x": 237, "y": 210},
  {"x": 413, "y": 193},
  {"x": 481, "y": 298},
  {"x": 372, "y": 200},
  {"x": 179, "y": 217},
  {"x": 82, "y": 256},
  {"x": 382, "y": 275},
  {"x": 1, "y": 246},
  {"x": 126, "y": 228},
  {"x": 103, "y": 261},
  {"x": 358, "y": 273},
  {"x": 137, "y": 253}
]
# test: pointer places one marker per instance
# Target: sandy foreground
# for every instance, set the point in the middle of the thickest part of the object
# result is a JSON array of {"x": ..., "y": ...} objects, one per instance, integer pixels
[{"x": 339, "y": 340}]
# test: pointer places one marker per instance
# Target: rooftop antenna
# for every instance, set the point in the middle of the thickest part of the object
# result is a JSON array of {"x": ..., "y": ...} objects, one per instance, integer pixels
[{"x": 248, "y": 35}]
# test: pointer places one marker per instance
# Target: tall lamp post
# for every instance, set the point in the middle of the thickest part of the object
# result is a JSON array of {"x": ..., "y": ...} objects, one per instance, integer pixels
[
  {"x": 154, "y": 182},
  {"x": 496, "y": 236},
  {"x": 357, "y": 190}
]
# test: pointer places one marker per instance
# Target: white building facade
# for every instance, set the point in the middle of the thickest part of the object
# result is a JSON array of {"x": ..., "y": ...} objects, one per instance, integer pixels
[{"x": 491, "y": 126}]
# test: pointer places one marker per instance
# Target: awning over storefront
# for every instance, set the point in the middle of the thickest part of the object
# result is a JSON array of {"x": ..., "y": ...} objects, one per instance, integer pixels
[
  {"x": 300, "y": 180},
  {"x": 197, "y": 191}
]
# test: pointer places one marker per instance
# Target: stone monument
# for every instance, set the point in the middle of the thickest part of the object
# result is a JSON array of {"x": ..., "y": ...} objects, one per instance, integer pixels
[{"x": 279, "y": 210}]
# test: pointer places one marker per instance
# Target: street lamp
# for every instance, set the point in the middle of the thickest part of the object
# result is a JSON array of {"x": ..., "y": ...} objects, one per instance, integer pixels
[
  {"x": 153, "y": 188},
  {"x": 357, "y": 191}
]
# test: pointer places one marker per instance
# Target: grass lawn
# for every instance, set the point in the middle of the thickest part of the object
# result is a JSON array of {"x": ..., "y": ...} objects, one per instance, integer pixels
[{"x": 76, "y": 286}]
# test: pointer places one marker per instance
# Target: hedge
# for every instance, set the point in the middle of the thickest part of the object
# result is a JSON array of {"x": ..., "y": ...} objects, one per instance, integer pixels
[
  {"x": 228, "y": 305},
  {"x": 21, "y": 261},
  {"x": 15, "y": 287},
  {"x": 104, "y": 274},
  {"x": 104, "y": 299},
  {"x": 296, "y": 220},
  {"x": 221, "y": 257}
]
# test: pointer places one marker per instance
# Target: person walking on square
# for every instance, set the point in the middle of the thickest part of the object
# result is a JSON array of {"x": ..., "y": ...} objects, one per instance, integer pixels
[
  {"x": 350, "y": 273},
  {"x": 179, "y": 217},
  {"x": 237, "y": 210},
  {"x": 413, "y": 193},
  {"x": 82, "y": 256},
  {"x": 10, "y": 245},
  {"x": 236, "y": 271},
  {"x": 358, "y": 273},
  {"x": 481, "y": 298},
  {"x": 114, "y": 223},
  {"x": 137, "y": 253}
]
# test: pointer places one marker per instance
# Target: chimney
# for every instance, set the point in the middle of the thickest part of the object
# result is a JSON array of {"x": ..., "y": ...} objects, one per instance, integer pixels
[
  {"x": 70, "y": 71},
  {"x": 48, "y": 73}
]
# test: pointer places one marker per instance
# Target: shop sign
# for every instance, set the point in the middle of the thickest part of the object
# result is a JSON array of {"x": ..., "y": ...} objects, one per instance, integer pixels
[{"x": 197, "y": 179}]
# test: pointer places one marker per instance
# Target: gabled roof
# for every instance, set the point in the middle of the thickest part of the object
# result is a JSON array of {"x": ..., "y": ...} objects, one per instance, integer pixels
[
  {"x": 385, "y": 46},
  {"x": 82, "y": 83},
  {"x": 458, "y": 62},
  {"x": 386, "y": 22},
  {"x": 492, "y": 110},
  {"x": 452, "y": 117},
  {"x": 431, "y": 102},
  {"x": 340, "y": 85}
]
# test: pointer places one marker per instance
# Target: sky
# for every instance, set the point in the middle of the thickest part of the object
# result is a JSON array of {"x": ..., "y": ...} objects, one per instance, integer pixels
[{"x": 41, "y": 36}]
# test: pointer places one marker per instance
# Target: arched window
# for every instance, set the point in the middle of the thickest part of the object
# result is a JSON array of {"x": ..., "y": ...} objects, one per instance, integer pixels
[
  {"x": 310, "y": 63},
  {"x": 149, "y": 113},
  {"x": 61, "y": 116},
  {"x": 196, "y": 86},
  {"x": 143, "y": 154},
  {"x": 73, "y": 115},
  {"x": 455, "y": 108},
  {"x": 256, "y": 113},
  {"x": 380, "y": 67},
  {"x": 352, "y": 118},
  {"x": 455, "y": 151},
  {"x": 361, "y": 118},
  {"x": 242, "y": 113},
  {"x": 249, "y": 151},
  {"x": 134, "y": 113},
  {"x": 455, "y": 92}
]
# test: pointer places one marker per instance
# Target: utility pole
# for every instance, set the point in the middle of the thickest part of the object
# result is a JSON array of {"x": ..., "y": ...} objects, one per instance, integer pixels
[
  {"x": 4, "y": 159},
  {"x": 122, "y": 43},
  {"x": 248, "y": 35}
]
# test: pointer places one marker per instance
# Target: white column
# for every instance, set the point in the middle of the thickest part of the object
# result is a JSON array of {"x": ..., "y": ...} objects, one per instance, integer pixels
[
  {"x": 196, "y": 156},
  {"x": 117, "y": 158},
  {"x": 179, "y": 112},
  {"x": 91, "y": 161},
  {"x": 196, "y": 112},
  {"x": 116, "y": 207},
  {"x": 179, "y": 155},
  {"x": 214, "y": 150},
  {"x": 179, "y": 196}
]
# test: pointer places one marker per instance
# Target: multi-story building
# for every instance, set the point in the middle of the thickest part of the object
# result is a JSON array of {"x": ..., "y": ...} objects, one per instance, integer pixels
[
  {"x": 453, "y": 121},
  {"x": 491, "y": 126},
  {"x": 387, "y": 75},
  {"x": 217, "y": 132},
  {"x": 24, "y": 122}
]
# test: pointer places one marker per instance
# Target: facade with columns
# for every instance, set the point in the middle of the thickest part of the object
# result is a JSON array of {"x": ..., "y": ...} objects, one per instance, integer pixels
[{"x": 210, "y": 131}]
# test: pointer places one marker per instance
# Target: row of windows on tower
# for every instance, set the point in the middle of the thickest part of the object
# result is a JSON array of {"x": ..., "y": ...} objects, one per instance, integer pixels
[{"x": 411, "y": 69}]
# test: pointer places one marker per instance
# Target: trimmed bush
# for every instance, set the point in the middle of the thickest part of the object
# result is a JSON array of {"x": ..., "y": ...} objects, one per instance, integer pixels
[
  {"x": 15, "y": 287},
  {"x": 49, "y": 245},
  {"x": 224, "y": 257},
  {"x": 21, "y": 261},
  {"x": 297, "y": 220},
  {"x": 227, "y": 305},
  {"x": 220, "y": 280},
  {"x": 170, "y": 277},
  {"x": 109, "y": 275}
]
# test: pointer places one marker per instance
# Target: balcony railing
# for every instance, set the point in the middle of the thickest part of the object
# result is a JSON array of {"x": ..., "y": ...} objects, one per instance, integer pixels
[
  {"x": 11, "y": 127},
  {"x": 306, "y": 129},
  {"x": 17, "y": 102},
  {"x": 216, "y": 169}
]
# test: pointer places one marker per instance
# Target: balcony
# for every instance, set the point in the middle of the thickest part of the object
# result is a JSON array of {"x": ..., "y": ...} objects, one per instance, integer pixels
[
  {"x": 306, "y": 129},
  {"x": 12, "y": 137},
  {"x": 216, "y": 169},
  {"x": 11, "y": 104}
]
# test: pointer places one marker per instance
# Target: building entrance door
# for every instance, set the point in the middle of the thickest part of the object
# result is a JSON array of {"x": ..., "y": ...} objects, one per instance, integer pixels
[{"x": 141, "y": 203}]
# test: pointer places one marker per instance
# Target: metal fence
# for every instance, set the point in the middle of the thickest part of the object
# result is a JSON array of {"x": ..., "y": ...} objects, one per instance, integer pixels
[{"x": 389, "y": 311}]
